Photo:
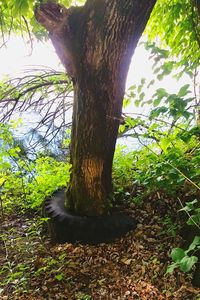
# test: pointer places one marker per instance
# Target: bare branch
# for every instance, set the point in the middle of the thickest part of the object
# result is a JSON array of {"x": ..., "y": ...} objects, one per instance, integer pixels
[{"x": 47, "y": 94}]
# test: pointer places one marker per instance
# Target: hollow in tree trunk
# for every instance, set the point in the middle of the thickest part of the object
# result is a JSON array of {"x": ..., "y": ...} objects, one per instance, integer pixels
[{"x": 95, "y": 43}]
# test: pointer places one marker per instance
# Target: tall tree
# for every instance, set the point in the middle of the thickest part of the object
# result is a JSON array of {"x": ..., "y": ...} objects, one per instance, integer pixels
[{"x": 95, "y": 43}]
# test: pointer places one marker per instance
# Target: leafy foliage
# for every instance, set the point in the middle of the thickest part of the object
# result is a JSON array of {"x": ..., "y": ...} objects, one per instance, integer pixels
[
  {"x": 18, "y": 17},
  {"x": 25, "y": 183},
  {"x": 175, "y": 25},
  {"x": 182, "y": 258}
]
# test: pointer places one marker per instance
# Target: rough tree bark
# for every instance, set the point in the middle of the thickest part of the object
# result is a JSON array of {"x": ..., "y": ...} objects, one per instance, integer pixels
[{"x": 95, "y": 43}]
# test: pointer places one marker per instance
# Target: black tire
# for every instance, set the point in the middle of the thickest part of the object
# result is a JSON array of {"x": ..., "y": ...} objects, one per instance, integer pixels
[
  {"x": 196, "y": 276},
  {"x": 66, "y": 227}
]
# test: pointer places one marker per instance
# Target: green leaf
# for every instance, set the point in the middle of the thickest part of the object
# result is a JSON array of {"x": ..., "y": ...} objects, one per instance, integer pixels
[
  {"x": 170, "y": 269},
  {"x": 189, "y": 206},
  {"x": 156, "y": 102},
  {"x": 166, "y": 69},
  {"x": 184, "y": 90},
  {"x": 59, "y": 277},
  {"x": 157, "y": 111},
  {"x": 126, "y": 102},
  {"x": 193, "y": 220},
  {"x": 187, "y": 263},
  {"x": 141, "y": 96},
  {"x": 177, "y": 254},
  {"x": 165, "y": 144},
  {"x": 161, "y": 93},
  {"x": 150, "y": 83},
  {"x": 139, "y": 89},
  {"x": 132, "y": 88},
  {"x": 20, "y": 7},
  {"x": 196, "y": 240},
  {"x": 137, "y": 102},
  {"x": 187, "y": 114},
  {"x": 195, "y": 243}
]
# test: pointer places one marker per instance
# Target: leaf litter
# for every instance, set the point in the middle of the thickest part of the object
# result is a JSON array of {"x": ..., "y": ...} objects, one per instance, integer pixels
[{"x": 133, "y": 267}]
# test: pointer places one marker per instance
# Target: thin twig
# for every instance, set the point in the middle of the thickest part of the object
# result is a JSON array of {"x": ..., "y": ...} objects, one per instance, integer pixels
[{"x": 29, "y": 34}]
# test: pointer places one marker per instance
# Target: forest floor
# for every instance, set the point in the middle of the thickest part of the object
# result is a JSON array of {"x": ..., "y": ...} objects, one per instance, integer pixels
[{"x": 133, "y": 267}]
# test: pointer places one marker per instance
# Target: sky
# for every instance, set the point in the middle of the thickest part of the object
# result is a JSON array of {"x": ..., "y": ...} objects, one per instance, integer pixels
[{"x": 16, "y": 57}]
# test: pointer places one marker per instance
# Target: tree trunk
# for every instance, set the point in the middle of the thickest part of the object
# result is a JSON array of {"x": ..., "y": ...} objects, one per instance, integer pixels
[{"x": 95, "y": 43}]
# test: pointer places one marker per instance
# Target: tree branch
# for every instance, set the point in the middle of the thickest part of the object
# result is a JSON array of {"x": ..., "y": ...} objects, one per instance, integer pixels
[
  {"x": 55, "y": 18},
  {"x": 51, "y": 15}
]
